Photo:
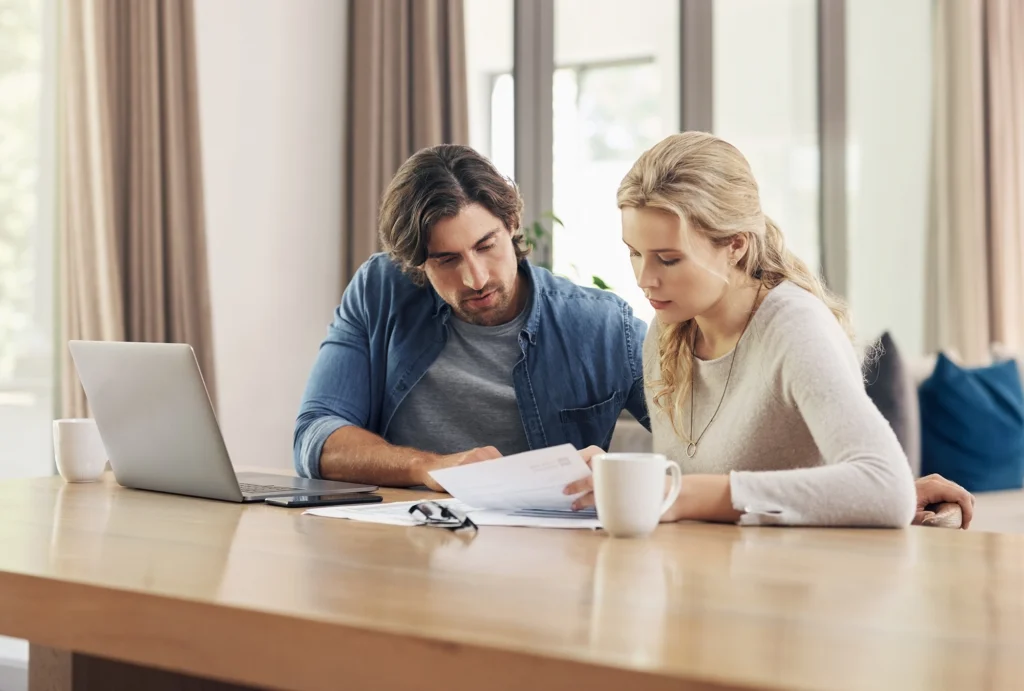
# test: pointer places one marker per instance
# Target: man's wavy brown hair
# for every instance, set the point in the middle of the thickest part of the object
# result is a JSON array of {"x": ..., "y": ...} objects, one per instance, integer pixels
[{"x": 437, "y": 183}]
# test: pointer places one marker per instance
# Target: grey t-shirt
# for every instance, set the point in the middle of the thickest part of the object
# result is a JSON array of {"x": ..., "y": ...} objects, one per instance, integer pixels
[{"x": 466, "y": 398}]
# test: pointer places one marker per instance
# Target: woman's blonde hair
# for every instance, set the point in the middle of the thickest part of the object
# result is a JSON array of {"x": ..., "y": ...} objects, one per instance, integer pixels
[{"x": 708, "y": 184}]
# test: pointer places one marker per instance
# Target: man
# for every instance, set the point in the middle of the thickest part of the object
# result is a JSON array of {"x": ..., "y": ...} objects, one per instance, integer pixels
[{"x": 452, "y": 348}]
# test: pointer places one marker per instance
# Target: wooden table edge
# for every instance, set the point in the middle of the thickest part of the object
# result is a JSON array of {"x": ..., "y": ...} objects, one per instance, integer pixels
[{"x": 229, "y": 643}]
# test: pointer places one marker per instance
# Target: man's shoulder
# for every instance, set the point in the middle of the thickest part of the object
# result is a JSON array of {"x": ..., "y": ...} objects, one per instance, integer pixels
[
  {"x": 581, "y": 309},
  {"x": 598, "y": 324},
  {"x": 380, "y": 276},
  {"x": 380, "y": 291},
  {"x": 561, "y": 293},
  {"x": 380, "y": 268}
]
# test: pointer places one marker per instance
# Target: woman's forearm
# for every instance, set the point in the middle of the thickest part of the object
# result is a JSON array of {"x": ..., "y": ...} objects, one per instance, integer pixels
[{"x": 704, "y": 498}]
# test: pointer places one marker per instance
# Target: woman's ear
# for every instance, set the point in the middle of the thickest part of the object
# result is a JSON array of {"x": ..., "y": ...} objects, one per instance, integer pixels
[{"x": 738, "y": 246}]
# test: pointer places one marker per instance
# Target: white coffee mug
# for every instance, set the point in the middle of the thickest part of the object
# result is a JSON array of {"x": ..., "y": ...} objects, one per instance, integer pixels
[
  {"x": 78, "y": 450},
  {"x": 629, "y": 490}
]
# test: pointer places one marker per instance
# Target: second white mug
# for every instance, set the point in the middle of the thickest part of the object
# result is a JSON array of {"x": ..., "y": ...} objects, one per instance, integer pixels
[
  {"x": 78, "y": 450},
  {"x": 629, "y": 491}
]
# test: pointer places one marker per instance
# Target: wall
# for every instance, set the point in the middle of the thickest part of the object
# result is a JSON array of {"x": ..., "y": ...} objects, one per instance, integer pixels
[
  {"x": 889, "y": 111},
  {"x": 271, "y": 79},
  {"x": 13, "y": 664}
]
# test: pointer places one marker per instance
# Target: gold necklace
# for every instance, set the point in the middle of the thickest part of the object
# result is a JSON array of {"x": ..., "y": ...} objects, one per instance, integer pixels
[{"x": 691, "y": 448}]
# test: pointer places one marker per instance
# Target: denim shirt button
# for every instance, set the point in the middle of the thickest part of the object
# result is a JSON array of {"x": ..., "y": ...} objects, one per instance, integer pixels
[{"x": 401, "y": 386}]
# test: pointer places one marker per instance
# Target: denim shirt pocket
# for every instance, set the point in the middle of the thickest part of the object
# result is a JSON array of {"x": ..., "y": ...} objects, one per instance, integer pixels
[{"x": 592, "y": 425}]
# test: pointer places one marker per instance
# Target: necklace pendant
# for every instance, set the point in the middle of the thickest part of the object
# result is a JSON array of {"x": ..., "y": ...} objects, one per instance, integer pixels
[{"x": 691, "y": 449}]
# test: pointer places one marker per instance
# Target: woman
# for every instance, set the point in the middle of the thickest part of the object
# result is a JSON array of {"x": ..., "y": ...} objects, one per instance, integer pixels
[{"x": 753, "y": 383}]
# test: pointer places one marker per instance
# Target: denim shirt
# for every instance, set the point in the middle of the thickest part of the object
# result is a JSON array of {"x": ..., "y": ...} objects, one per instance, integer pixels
[{"x": 581, "y": 364}]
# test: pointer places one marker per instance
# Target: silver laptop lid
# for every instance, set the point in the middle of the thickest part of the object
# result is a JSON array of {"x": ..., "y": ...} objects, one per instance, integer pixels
[{"x": 155, "y": 417}]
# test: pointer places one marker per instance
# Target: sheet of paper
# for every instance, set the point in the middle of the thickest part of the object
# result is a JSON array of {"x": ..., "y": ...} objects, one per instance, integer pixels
[
  {"x": 529, "y": 519},
  {"x": 530, "y": 480},
  {"x": 394, "y": 513},
  {"x": 397, "y": 513}
]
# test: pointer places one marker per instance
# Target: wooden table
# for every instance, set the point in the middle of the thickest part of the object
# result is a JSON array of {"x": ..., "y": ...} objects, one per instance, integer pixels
[
  {"x": 1001, "y": 512},
  {"x": 112, "y": 585}
]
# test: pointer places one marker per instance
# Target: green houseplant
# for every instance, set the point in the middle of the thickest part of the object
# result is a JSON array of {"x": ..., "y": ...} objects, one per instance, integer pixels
[{"x": 536, "y": 230}]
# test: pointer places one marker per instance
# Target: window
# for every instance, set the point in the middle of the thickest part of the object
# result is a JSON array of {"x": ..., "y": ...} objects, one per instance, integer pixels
[
  {"x": 605, "y": 116},
  {"x": 27, "y": 140},
  {"x": 489, "y": 82},
  {"x": 766, "y": 104},
  {"x": 501, "y": 141},
  {"x": 615, "y": 94},
  {"x": 889, "y": 104}
]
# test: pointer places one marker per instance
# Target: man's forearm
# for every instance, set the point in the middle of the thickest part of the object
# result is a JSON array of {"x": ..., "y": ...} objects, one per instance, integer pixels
[{"x": 352, "y": 454}]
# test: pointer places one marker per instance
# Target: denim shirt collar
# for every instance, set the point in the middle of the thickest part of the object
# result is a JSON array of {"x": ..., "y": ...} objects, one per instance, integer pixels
[{"x": 442, "y": 310}]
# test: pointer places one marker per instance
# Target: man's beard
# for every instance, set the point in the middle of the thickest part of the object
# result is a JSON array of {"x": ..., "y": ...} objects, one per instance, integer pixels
[{"x": 491, "y": 315}]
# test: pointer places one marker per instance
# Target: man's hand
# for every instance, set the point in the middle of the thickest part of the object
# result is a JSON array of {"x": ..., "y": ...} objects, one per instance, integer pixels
[
  {"x": 935, "y": 489},
  {"x": 482, "y": 453}
]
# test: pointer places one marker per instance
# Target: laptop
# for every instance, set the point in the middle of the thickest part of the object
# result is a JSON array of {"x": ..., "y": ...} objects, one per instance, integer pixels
[{"x": 159, "y": 428}]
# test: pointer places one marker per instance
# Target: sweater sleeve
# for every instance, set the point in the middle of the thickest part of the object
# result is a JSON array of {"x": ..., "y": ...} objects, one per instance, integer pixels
[{"x": 866, "y": 480}]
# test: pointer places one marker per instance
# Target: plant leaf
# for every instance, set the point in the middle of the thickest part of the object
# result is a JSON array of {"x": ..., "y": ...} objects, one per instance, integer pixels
[
  {"x": 599, "y": 282},
  {"x": 553, "y": 217}
]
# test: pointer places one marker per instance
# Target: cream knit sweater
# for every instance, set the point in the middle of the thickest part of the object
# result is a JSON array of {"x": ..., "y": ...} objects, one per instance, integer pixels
[{"x": 802, "y": 441}]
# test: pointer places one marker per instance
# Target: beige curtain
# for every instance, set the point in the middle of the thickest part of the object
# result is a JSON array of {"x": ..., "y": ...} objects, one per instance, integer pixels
[
  {"x": 407, "y": 90},
  {"x": 976, "y": 242},
  {"x": 1004, "y": 33},
  {"x": 132, "y": 237},
  {"x": 958, "y": 314}
]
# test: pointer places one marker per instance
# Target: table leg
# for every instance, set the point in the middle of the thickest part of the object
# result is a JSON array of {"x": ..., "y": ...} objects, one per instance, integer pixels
[{"x": 50, "y": 669}]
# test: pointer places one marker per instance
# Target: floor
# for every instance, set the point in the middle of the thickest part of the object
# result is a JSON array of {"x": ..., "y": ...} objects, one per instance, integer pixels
[{"x": 13, "y": 664}]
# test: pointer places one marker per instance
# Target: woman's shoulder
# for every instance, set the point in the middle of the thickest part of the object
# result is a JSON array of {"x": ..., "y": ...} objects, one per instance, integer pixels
[
  {"x": 790, "y": 300},
  {"x": 788, "y": 317},
  {"x": 797, "y": 325},
  {"x": 791, "y": 314}
]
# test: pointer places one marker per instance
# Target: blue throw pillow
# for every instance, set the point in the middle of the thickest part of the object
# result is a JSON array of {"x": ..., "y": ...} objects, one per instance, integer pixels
[{"x": 972, "y": 425}]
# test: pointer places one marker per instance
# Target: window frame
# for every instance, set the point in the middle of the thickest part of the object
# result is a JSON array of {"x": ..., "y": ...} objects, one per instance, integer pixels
[{"x": 533, "y": 71}]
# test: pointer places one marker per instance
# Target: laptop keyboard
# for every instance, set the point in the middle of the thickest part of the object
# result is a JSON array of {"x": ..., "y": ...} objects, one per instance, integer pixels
[{"x": 249, "y": 488}]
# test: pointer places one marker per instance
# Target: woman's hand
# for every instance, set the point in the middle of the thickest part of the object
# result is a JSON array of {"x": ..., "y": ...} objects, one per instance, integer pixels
[
  {"x": 585, "y": 485},
  {"x": 703, "y": 497}
]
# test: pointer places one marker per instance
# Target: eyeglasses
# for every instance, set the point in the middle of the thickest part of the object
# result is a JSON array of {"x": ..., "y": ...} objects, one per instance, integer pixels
[{"x": 442, "y": 516}]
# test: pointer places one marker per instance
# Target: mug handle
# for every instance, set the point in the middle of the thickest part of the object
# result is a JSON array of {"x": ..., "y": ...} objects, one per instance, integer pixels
[{"x": 677, "y": 485}]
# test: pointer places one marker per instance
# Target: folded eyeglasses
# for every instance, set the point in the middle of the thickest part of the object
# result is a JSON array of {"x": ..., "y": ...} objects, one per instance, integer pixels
[{"x": 442, "y": 516}]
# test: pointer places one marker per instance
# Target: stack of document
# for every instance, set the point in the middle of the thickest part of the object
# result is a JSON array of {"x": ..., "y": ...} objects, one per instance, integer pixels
[{"x": 521, "y": 490}]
